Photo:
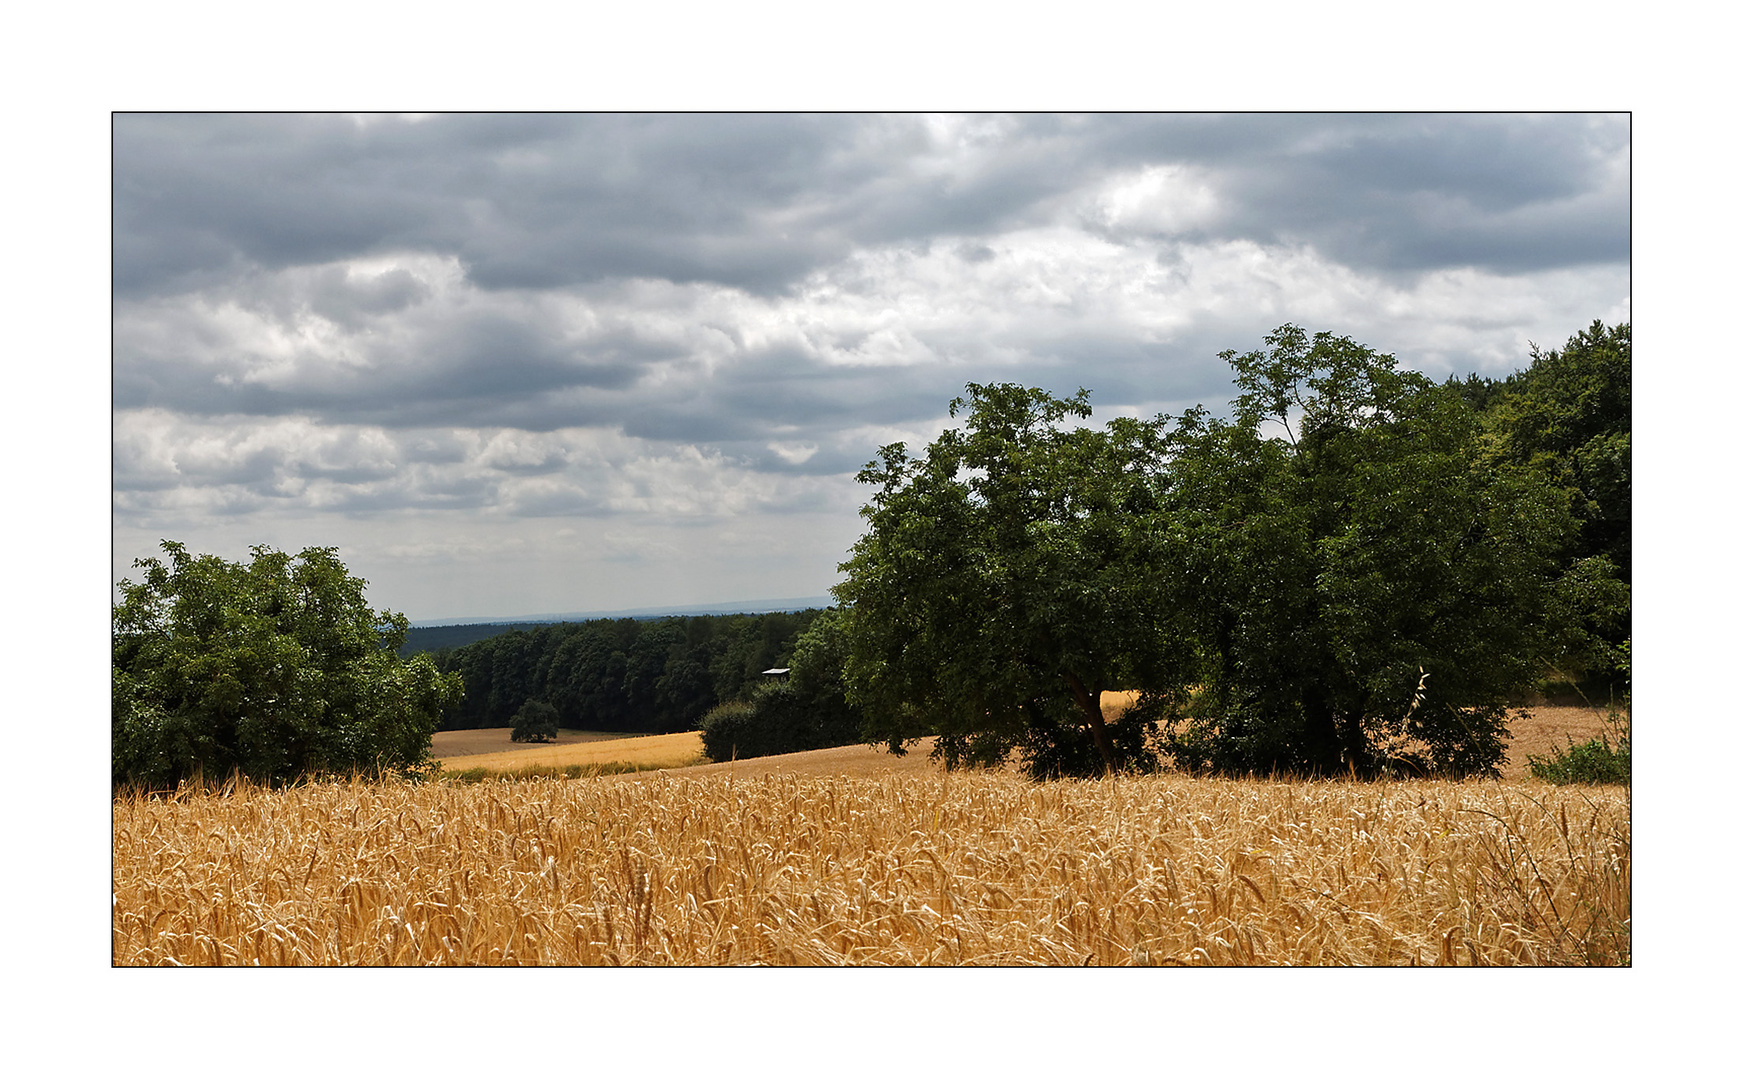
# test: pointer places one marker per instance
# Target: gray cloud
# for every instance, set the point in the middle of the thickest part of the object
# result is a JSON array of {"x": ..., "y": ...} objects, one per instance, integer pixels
[
  {"x": 658, "y": 321},
  {"x": 757, "y": 202}
]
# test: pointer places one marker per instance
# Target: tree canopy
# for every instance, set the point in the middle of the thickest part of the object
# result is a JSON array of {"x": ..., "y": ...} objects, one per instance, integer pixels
[
  {"x": 277, "y": 669},
  {"x": 1335, "y": 578},
  {"x": 1364, "y": 586},
  {"x": 1004, "y": 582}
]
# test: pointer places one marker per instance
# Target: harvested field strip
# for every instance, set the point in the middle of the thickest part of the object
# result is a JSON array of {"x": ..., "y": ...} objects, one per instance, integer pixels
[
  {"x": 448, "y": 745},
  {"x": 648, "y": 751},
  {"x": 904, "y": 869}
]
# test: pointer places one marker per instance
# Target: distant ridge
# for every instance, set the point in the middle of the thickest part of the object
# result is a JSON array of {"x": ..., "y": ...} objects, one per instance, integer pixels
[{"x": 739, "y": 607}]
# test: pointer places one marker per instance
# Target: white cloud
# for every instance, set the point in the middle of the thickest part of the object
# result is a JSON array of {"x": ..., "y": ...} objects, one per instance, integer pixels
[{"x": 1157, "y": 200}]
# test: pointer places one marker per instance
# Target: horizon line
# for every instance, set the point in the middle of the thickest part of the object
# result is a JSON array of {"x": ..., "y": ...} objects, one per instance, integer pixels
[{"x": 732, "y": 607}]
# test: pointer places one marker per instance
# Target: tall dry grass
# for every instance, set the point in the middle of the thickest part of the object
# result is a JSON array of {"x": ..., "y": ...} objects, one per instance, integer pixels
[{"x": 942, "y": 869}]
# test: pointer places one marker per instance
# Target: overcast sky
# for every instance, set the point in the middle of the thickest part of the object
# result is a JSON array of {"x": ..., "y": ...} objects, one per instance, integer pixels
[{"x": 516, "y": 365}]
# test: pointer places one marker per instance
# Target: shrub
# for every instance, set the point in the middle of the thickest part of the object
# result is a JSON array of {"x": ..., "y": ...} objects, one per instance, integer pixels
[
  {"x": 1595, "y": 761},
  {"x": 780, "y": 718},
  {"x": 536, "y": 721}
]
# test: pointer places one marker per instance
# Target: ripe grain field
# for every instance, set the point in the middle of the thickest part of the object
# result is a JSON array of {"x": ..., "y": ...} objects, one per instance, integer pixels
[{"x": 903, "y": 869}]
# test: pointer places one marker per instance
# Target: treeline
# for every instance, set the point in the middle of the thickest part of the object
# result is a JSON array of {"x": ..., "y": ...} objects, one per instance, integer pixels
[
  {"x": 434, "y": 639},
  {"x": 634, "y": 675}
]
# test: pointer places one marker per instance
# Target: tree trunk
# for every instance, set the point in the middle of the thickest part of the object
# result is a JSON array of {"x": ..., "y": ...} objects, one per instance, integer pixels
[
  {"x": 1323, "y": 744},
  {"x": 1091, "y": 705}
]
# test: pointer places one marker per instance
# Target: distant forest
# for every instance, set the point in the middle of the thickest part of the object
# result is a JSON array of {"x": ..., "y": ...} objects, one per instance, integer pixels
[
  {"x": 435, "y": 639},
  {"x": 637, "y": 675}
]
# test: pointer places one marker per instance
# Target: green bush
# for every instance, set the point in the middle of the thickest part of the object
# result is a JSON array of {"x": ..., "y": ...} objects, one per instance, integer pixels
[
  {"x": 808, "y": 712},
  {"x": 1595, "y": 761}
]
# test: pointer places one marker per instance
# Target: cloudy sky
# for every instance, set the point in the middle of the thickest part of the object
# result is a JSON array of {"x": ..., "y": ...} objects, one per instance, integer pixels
[{"x": 516, "y": 365}]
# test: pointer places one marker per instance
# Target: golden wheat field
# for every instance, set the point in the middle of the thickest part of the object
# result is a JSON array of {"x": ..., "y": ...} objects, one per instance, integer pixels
[{"x": 905, "y": 869}]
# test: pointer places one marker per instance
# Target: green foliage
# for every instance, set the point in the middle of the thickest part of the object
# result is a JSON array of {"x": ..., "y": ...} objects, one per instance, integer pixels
[
  {"x": 1569, "y": 415},
  {"x": 781, "y": 717},
  {"x": 277, "y": 669},
  {"x": 1336, "y": 579},
  {"x": 1567, "y": 418},
  {"x": 1596, "y": 761},
  {"x": 773, "y": 721},
  {"x": 1005, "y": 581},
  {"x": 1327, "y": 570},
  {"x": 437, "y": 640},
  {"x": 536, "y": 721}
]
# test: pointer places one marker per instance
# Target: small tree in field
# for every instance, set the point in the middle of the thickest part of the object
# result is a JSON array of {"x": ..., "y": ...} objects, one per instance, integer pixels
[
  {"x": 535, "y": 721},
  {"x": 276, "y": 669}
]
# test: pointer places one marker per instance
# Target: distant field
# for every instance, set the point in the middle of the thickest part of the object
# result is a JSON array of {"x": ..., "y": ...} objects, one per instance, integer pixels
[
  {"x": 645, "y": 751},
  {"x": 1550, "y": 728},
  {"x": 456, "y": 744}
]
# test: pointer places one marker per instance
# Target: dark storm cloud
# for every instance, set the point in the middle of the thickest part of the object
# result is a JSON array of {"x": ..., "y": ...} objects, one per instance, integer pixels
[
  {"x": 1505, "y": 196},
  {"x": 525, "y": 202}
]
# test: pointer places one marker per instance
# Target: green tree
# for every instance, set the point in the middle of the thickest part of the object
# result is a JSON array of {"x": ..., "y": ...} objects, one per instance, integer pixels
[
  {"x": 1569, "y": 414},
  {"x": 535, "y": 721},
  {"x": 1005, "y": 580},
  {"x": 277, "y": 669},
  {"x": 820, "y": 657},
  {"x": 1365, "y": 587},
  {"x": 808, "y": 710}
]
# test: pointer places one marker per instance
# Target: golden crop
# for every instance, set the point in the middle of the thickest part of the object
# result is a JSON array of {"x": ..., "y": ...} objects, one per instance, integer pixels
[{"x": 963, "y": 868}]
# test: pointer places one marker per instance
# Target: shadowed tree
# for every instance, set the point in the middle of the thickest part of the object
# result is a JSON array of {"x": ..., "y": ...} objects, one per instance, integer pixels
[
  {"x": 1367, "y": 587},
  {"x": 1004, "y": 582}
]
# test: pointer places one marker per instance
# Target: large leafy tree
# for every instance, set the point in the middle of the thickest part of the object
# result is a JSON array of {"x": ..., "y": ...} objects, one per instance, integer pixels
[
  {"x": 277, "y": 668},
  {"x": 1004, "y": 581},
  {"x": 1366, "y": 587},
  {"x": 1337, "y": 578}
]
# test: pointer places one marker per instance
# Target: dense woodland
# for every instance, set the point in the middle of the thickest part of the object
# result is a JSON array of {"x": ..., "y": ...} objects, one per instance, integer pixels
[
  {"x": 1568, "y": 415},
  {"x": 620, "y": 674}
]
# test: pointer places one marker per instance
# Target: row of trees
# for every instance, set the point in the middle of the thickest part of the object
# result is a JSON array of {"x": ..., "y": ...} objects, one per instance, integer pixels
[
  {"x": 620, "y": 674},
  {"x": 1356, "y": 572}
]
